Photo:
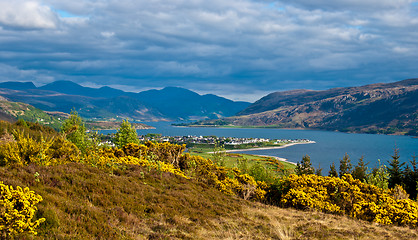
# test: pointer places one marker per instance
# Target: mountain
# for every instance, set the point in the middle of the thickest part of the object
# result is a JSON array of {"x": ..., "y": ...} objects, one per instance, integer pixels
[
  {"x": 124, "y": 107},
  {"x": 176, "y": 102},
  {"x": 375, "y": 108},
  {"x": 171, "y": 103},
  {"x": 72, "y": 88},
  {"x": 18, "y": 85}
]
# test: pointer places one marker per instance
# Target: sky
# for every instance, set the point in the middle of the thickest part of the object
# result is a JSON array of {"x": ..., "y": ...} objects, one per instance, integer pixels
[{"x": 241, "y": 49}]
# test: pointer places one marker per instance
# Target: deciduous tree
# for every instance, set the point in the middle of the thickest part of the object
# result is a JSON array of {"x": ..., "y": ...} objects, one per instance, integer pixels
[
  {"x": 76, "y": 132},
  {"x": 126, "y": 134}
]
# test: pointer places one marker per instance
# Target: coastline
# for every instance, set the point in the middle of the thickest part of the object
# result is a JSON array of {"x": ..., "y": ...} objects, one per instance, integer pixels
[
  {"x": 278, "y": 158},
  {"x": 267, "y": 148}
]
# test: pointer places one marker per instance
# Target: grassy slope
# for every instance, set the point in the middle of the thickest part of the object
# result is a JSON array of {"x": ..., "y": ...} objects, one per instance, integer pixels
[
  {"x": 232, "y": 158},
  {"x": 27, "y": 112},
  {"x": 82, "y": 202}
]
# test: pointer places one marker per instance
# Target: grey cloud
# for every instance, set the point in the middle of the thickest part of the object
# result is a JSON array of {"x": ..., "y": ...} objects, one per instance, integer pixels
[
  {"x": 358, "y": 5},
  {"x": 237, "y": 45}
]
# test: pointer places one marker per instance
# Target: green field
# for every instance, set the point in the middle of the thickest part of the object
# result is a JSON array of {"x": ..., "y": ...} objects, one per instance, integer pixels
[{"x": 235, "y": 159}]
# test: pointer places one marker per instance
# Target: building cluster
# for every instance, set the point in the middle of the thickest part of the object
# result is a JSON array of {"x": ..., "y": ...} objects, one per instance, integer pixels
[{"x": 217, "y": 140}]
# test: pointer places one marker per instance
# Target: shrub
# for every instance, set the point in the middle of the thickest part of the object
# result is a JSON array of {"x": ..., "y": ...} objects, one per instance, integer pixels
[
  {"x": 24, "y": 150},
  {"x": 348, "y": 196},
  {"x": 229, "y": 181},
  {"x": 17, "y": 208}
]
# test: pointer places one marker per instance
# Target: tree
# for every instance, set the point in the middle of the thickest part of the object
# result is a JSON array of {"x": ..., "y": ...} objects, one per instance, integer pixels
[
  {"x": 218, "y": 154},
  {"x": 318, "y": 171},
  {"x": 126, "y": 134},
  {"x": 332, "y": 171},
  {"x": 345, "y": 165},
  {"x": 76, "y": 132},
  {"x": 360, "y": 170},
  {"x": 305, "y": 167},
  {"x": 411, "y": 178},
  {"x": 396, "y": 174},
  {"x": 379, "y": 176}
]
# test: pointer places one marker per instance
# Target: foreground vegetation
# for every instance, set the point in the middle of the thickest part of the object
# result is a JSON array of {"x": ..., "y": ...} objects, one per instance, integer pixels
[
  {"x": 84, "y": 202},
  {"x": 154, "y": 190}
]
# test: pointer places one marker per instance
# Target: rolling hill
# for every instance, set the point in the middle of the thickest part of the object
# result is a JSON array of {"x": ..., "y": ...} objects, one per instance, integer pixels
[
  {"x": 12, "y": 111},
  {"x": 376, "y": 108}
]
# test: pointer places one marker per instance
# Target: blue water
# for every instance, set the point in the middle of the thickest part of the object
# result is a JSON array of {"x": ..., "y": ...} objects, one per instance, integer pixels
[{"x": 329, "y": 147}]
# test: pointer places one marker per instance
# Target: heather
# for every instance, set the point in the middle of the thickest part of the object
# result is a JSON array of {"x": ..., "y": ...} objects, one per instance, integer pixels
[{"x": 154, "y": 190}]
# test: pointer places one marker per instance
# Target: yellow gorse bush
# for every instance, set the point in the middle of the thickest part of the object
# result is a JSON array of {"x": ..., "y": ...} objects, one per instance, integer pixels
[
  {"x": 17, "y": 208},
  {"x": 229, "y": 181},
  {"x": 167, "y": 157},
  {"x": 25, "y": 150},
  {"x": 164, "y": 157},
  {"x": 347, "y": 196}
]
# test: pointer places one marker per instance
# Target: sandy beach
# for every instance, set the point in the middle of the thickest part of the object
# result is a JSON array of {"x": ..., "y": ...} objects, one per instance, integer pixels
[{"x": 267, "y": 148}]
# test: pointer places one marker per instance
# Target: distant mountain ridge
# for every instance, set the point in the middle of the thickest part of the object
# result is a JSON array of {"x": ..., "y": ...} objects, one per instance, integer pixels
[
  {"x": 375, "y": 108},
  {"x": 72, "y": 88},
  {"x": 171, "y": 103}
]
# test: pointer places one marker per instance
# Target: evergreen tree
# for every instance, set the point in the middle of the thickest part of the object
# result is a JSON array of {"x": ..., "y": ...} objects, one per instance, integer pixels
[
  {"x": 411, "y": 178},
  {"x": 396, "y": 174},
  {"x": 360, "y": 170},
  {"x": 305, "y": 167},
  {"x": 345, "y": 165},
  {"x": 126, "y": 134},
  {"x": 332, "y": 171},
  {"x": 318, "y": 171}
]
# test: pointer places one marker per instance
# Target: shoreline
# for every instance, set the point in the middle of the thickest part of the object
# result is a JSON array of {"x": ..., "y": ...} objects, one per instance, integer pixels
[
  {"x": 267, "y": 148},
  {"x": 278, "y": 158}
]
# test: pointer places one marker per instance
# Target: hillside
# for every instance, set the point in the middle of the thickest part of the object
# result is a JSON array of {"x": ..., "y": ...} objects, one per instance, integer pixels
[
  {"x": 82, "y": 202},
  {"x": 155, "y": 191},
  {"x": 171, "y": 103},
  {"x": 11, "y": 111},
  {"x": 377, "y": 108}
]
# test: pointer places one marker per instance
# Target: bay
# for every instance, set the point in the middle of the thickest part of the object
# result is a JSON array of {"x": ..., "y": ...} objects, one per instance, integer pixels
[{"x": 329, "y": 147}]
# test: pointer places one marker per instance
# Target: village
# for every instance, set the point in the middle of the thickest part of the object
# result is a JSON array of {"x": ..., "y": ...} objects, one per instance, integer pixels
[{"x": 233, "y": 141}]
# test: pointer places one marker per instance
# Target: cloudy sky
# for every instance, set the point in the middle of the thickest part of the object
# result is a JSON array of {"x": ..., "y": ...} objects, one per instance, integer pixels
[{"x": 241, "y": 49}]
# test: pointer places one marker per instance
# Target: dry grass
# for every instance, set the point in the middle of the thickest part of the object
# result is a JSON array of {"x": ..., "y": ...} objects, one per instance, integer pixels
[
  {"x": 82, "y": 202},
  {"x": 283, "y": 224}
]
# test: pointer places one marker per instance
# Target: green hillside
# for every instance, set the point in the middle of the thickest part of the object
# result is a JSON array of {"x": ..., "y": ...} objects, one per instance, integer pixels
[
  {"x": 17, "y": 110},
  {"x": 155, "y": 191}
]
